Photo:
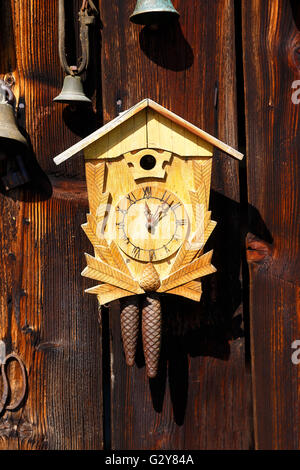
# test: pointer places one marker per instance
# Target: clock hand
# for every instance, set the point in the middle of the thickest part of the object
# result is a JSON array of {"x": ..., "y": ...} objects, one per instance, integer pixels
[
  {"x": 149, "y": 217},
  {"x": 159, "y": 215}
]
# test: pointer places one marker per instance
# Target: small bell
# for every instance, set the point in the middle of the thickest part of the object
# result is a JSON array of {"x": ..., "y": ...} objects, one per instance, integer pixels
[
  {"x": 151, "y": 12},
  {"x": 12, "y": 143},
  {"x": 8, "y": 125},
  {"x": 72, "y": 91}
]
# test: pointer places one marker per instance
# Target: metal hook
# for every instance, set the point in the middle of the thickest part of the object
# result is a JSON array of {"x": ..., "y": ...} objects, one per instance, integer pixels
[
  {"x": 85, "y": 18},
  {"x": 6, "y": 91},
  {"x": 5, "y": 392}
]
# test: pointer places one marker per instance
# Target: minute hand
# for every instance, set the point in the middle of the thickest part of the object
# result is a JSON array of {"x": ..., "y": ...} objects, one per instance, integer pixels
[{"x": 159, "y": 214}]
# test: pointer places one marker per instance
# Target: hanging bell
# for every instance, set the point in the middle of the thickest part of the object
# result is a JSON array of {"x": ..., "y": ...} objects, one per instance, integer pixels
[
  {"x": 150, "y": 12},
  {"x": 8, "y": 125},
  {"x": 72, "y": 91},
  {"x": 10, "y": 139}
]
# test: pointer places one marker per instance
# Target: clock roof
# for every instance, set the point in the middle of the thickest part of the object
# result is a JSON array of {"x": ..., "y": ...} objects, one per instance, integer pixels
[{"x": 129, "y": 113}]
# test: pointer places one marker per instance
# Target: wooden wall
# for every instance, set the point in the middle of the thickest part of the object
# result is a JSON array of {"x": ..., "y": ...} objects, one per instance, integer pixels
[
  {"x": 273, "y": 151},
  {"x": 227, "y": 67}
]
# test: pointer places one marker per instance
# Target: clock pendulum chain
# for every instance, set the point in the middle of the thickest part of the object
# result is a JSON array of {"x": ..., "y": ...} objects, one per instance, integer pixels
[
  {"x": 151, "y": 332},
  {"x": 130, "y": 314}
]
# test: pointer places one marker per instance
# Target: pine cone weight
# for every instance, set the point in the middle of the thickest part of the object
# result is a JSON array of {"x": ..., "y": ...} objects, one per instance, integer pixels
[
  {"x": 130, "y": 314},
  {"x": 151, "y": 332}
]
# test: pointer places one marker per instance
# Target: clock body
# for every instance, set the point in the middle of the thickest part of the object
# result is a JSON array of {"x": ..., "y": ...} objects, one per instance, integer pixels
[
  {"x": 148, "y": 174},
  {"x": 148, "y": 146},
  {"x": 140, "y": 216},
  {"x": 148, "y": 181}
]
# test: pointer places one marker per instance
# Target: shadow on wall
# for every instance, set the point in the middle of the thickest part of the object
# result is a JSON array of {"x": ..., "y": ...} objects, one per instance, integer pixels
[
  {"x": 7, "y": 50},
  {"x": 38, "y": 187},
  {"x": 295, "y": 6},
  {"x": 167, "y": 46},
  {"x": 205, "y": 329}
]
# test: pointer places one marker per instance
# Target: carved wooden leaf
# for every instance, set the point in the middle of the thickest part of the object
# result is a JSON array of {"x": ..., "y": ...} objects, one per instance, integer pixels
[
  {"x": 198, "y": 203},
  {"x": 101, "y": 212},
  {"x": 104, "y": 253},
  {"x": 191, "y": 250},
  {"x": 198, "y": 268},
  {"x": 97, "y": 269},
  {"x": 122, "y": 266},
  {"x": 107, "y": 293},
  {"x": 201, "y": 236},
  {"x": 185, "y": 255},
  {"x": 185, "y": 291},
  {"x": 93, "y": 231},
  {"x": 202, "y": 177},
  {"x": 95, "y": 184},
  {"x": 90, "y": 233},
  {"x": 195, "y": 285}
]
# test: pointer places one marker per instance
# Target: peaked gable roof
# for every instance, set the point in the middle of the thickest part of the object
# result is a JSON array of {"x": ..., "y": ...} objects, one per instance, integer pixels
[{"x": 125, "y": 115}]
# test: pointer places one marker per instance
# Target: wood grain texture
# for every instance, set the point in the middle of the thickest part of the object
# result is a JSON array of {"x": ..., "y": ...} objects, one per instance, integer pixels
[
  {"x": 44, "y": 315},
  {"x": 47, "y": 325},
  {"x": 202, "y": 396},
  {"x": 272, "y": 124}
]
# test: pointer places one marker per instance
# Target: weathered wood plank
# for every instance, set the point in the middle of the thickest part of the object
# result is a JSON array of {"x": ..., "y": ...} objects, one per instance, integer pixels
[
  {"x": 271, "y": 40},
  {"x": 202, "y": 397},
  {"x": 48, "y": 321},
  {"x": 44, "y": 315}
]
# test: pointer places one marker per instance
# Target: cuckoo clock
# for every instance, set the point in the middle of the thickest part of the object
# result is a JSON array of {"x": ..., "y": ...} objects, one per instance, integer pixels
[{"x": 148, "y": 176}]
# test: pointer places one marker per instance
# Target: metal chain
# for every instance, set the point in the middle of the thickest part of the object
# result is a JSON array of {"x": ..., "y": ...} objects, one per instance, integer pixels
[{"x": 87, "y": 15}]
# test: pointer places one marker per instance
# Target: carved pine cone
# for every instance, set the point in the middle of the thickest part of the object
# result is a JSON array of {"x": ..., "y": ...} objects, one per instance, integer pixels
[
  {"x": 130, "y": 327},
  {"x": 151, "y": 332},
  {"x": 150, "y": 279}
]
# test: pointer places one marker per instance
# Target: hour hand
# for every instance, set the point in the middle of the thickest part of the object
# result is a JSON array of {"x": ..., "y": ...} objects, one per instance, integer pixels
[{"x": 148, "y": 215}]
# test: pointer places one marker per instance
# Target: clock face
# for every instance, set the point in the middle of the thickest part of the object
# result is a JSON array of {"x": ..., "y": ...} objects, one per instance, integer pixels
[{"x": 151, "y": 223}]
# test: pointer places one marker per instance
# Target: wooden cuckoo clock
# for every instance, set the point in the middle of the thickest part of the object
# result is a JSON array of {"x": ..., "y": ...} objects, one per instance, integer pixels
[{"x": 148, "y": 177}]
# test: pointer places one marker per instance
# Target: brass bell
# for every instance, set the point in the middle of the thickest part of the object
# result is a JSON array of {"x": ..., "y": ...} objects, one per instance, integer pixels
[
  {"x": 150, "y": 12},
  {"x": 8, "y": 125},
  {"x": 10, "y": 140},
  {"x": 72, "y": 91}
]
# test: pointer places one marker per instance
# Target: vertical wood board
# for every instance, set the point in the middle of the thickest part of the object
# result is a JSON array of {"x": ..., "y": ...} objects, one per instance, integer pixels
[
  {"x": 271, "y": 40},
  {"x": 204, "y": 383}
]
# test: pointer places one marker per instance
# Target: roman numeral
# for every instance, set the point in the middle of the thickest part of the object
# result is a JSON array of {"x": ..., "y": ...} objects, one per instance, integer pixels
[
  {"x": 152, "y": 255},
  {"x": 181, "y": 222},
  {"x": 131, "y": 198},
  {"x": 163, "y": 199},
  {"x": 147, "y": 192},
  {"x": 166, "y": 248},
  {"x": 136, "y": 252},
  {"x": 126, "y": 239}
]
